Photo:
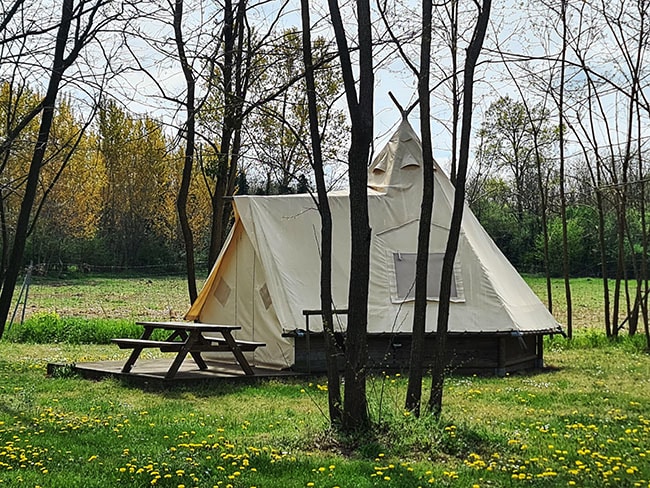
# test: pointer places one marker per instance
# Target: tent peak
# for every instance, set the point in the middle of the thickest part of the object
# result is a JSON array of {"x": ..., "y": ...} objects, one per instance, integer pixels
[
  {"x": 404, "y": 112},
  {"x": 398, "y": 166}
]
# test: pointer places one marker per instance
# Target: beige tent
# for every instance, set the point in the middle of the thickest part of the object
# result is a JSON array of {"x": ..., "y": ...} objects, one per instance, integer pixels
[{"x": 268, "y": 271}]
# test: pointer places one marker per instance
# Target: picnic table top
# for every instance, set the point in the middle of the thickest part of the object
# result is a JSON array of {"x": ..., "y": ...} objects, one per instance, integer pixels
[{"x": 189, "y": 326}]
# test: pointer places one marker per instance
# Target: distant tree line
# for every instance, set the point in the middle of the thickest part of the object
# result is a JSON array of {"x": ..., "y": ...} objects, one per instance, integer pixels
[{"x": 113, "y": 206}]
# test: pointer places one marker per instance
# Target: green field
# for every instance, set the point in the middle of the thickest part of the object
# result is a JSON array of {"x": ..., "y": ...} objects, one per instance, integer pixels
[
  {"x": 114, "y": 297},
  {"x": 584, "y": 422},
  {"x": 166, "y": 297}
]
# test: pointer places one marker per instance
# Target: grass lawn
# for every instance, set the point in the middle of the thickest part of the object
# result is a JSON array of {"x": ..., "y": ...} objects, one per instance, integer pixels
[
  {"x": 114, "y": 297},
  {"x": 585, "y": 422}
]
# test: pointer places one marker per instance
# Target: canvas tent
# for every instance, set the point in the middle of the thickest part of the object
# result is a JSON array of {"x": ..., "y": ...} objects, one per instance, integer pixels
[{"x": 268, "y": 271}]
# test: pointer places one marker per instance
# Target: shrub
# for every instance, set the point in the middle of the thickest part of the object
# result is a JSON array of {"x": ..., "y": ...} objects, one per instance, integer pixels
[{"x": 49, "y": 327}]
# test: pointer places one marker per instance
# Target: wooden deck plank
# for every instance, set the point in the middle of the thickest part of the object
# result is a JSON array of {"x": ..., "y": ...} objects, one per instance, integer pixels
[{"x": 148, "y": 372}]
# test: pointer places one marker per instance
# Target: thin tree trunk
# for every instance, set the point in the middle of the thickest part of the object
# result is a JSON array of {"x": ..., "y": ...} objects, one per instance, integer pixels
[
  {"x": 414, "y": 389},
  {"x": 645, "y": 287},
  {"x": 355, "y": 409},
  {"x": 183, "y": 192},
  {"x": 224, "y": 152},
  {"x": 455, "y": 103},
  {"x": 563, "y": 204},
  {"x": 333, "y": 379},
  {"x": 439, "y": 363},
  {"x": 60, "y": 63},
  {"x": 589, "y": 134}
]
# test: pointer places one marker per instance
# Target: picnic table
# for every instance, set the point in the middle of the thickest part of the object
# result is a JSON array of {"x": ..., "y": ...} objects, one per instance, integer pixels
[{"x": 188, "y": 338}]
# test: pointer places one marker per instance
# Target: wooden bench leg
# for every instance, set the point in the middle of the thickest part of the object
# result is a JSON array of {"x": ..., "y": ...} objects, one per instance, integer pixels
[
  {"x": 180, "y": 357},
  {"x": 239, "y": 355},
  {"x": 198, "y": 359},
  {"x": 135, "y": 354},
  {"x": 190, "y": 342}
]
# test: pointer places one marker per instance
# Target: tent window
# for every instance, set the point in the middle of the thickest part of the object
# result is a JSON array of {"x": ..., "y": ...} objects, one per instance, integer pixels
[
  {"x": 405, "y": 276},
  {"x": 222, "y": 292}
]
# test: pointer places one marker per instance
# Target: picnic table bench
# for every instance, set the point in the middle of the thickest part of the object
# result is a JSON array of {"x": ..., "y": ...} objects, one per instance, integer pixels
[{"x": 188, "y": 338}]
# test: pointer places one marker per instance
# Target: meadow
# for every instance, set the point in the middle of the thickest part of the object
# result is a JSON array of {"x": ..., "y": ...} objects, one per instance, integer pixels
[{"x": 584, "y": 421}]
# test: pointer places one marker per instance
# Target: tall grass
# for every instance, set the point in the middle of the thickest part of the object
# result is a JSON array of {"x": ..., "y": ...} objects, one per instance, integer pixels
[{"x": 50, "y": 327}]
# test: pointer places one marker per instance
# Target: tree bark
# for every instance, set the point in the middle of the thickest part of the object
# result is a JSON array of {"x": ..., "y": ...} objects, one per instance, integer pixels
[
  {"x": 414, "y": 388},
  {"x": 59, "y": 66},
  {"x": 563, "y": 204},
  {"x": 439, "y": 362},
  {"x": 183, "y": 192},
  {"x": 355, "y": 410},
  {"x": 226, "y": 152}
]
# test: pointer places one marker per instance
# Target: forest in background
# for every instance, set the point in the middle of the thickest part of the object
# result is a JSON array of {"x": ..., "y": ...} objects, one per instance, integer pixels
[{"x": 113, "y": 206}]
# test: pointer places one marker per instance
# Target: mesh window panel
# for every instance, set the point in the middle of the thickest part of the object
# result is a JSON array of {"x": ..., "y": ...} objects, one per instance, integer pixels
[{"x": 405, "y": 276}]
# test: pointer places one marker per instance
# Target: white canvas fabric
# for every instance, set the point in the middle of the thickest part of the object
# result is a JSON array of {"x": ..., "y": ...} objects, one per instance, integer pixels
[{"x": 269, "y": 269}]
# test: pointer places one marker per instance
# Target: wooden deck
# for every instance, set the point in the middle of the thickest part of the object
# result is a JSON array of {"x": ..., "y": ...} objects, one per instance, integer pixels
[{"x": 151, "y": 372}]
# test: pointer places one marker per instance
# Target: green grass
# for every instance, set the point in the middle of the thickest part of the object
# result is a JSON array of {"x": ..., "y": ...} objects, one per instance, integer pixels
[
  {"x": 165, "y": 297},
  {"x": 586, "y": 299},
  {"x": 109, "y": 296},
  {"x": 584, "y": 422}
]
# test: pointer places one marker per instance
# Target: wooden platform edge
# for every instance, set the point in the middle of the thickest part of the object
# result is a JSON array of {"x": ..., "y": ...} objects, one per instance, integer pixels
[{"x": 230, "y": 373}]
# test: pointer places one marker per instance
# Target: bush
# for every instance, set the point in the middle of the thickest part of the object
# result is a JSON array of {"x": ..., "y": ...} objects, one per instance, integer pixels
[{"x": 49, "y": 327}]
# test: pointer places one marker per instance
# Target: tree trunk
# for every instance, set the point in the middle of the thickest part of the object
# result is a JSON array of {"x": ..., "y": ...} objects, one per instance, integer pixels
[
  {"x": 565, "y": 243},
  {"x": 439, "y": 363},
  {"x": 355, "y": 411},
  {"x": 455, "y": 96},
  {"x": 414, "y": 389},
  {"x": 224, "y": 149},
  {"x": 16, "y": 257},
  {"x": 181, "y": 200},
  {"x": 355, "y": 415},
  {"x": 331, "y": 350}
]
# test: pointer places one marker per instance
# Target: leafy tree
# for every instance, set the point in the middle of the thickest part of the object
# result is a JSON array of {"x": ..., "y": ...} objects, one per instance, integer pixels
[
  {"x": 278, "y": 132},
  {"x": 509, "y": 137},
  {"x": 137, "y": 201},
  {"x": 494, "y": 208},
  {"x": 17, "y": 102},
  {"x": 72, "y": 179},
  {"x": 518, "y": 141},
  {"x": 580, "y": 239},
  {"x": 79, "y": 26}
]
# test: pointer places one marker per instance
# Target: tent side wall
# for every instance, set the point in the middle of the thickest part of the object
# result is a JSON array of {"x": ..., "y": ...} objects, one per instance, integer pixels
[{"x": 239, "y": 295}]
